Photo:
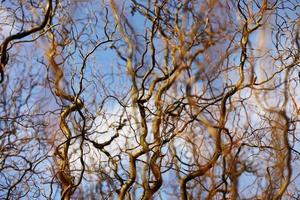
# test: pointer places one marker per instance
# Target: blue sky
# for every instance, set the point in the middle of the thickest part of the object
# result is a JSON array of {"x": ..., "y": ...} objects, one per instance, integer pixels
[{"x": 106, "y": 74}]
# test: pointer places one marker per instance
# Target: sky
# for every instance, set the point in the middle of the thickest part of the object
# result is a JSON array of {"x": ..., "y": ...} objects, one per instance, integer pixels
[{"x": 112, "y": 79}]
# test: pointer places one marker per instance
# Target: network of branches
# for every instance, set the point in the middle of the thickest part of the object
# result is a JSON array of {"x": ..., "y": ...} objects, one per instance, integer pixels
[{"x": 149, "y": 99}]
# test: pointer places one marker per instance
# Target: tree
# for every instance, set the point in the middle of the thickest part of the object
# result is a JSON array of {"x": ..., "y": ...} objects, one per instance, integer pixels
[{"x": 159, "y": 99}]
